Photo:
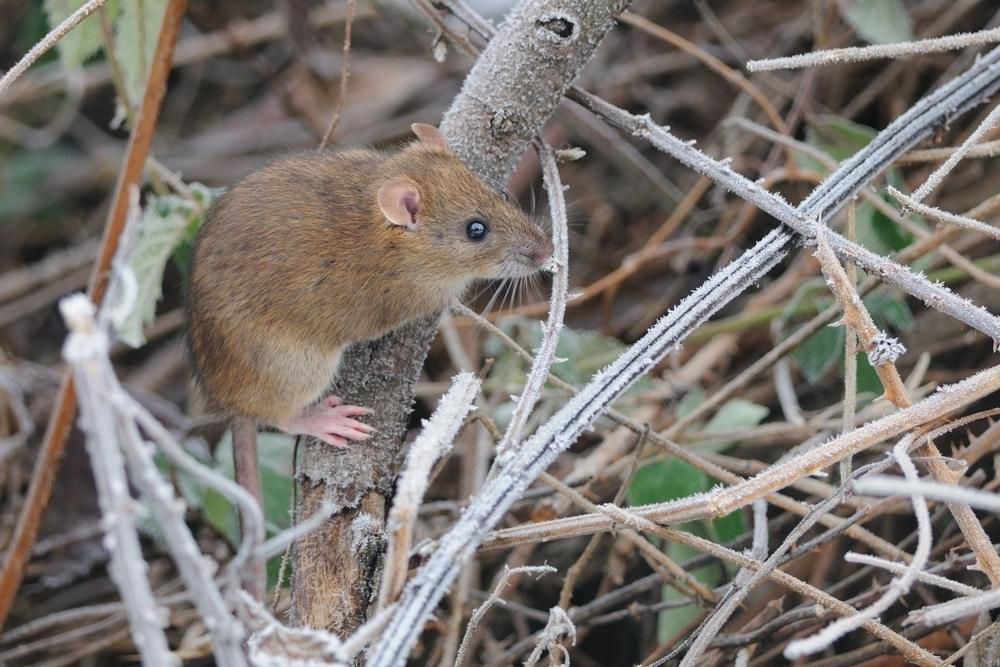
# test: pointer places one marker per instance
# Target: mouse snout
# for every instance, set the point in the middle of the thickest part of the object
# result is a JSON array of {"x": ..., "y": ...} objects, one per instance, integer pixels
[
  {"x": 537, "y": 252},
  {"x": 543, "y": 251}
]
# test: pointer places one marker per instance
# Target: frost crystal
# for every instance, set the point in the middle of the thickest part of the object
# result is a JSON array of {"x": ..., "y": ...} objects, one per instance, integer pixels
[{"x": 886, "y": 350}]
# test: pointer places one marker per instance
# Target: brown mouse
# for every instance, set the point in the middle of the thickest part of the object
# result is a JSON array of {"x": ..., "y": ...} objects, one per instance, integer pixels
[{"x": 314, "y": 252}]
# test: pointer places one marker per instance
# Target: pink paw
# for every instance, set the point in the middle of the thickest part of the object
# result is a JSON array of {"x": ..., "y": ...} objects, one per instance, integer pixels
[{"x": 331, "y": 422}]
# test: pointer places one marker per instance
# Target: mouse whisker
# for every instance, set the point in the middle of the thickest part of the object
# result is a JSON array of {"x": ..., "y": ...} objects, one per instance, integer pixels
[{"x": 493, "y": 299}]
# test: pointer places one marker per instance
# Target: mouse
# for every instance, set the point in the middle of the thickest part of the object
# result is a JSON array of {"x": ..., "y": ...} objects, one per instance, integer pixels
[{"x": 317, "y": 251}]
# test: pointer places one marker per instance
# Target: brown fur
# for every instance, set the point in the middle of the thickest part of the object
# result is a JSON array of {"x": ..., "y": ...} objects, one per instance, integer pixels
[{"x": 297, "y": 261}]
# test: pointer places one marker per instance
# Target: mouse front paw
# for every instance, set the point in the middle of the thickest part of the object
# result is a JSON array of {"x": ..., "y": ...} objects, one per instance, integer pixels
[{"x": 331, "y": 421}]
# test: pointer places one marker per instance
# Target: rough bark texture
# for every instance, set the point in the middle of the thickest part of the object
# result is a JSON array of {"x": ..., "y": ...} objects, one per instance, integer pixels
[
  {"x": 513, "y": 89},
  {"x": 333, "y": 586}
]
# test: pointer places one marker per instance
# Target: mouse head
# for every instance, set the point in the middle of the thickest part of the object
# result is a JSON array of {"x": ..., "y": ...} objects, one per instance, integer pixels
[{"x": 460, "y": 226}]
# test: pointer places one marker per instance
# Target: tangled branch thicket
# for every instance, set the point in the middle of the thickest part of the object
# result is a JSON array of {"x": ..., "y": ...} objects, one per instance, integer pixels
[{"x": 735, "y": 438}]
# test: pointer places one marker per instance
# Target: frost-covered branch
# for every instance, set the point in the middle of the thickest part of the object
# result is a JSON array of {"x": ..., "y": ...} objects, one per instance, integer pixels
[
  {"x": 722, "y": 501},
  {"x": 103, "y": 399},
  {"x": 494, "y": 599},
  {"x": 85, "y": 346},
  {"x": 550, "y": 640},
  {"x": 877, "y": 51},
  {"x": 546, "y": 353},
  {"x": 844, "y": 183},
  {"x": 50, "y": 40},
  {"x": 421, "y": 595},
  {"x": 900, "y": 568},
  {"x": 433, "y": 443},
  {"x": 944, "y": 216},
  {"x": 897, "y": 587},
  {"x": 946, "y": 612},
  {"x": 893, "y": 486},
  {"x": 975, "y": 138}
]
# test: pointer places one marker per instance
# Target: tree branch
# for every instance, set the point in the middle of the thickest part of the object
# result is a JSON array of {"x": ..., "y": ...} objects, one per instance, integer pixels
[{"x": 489, "y": 125}]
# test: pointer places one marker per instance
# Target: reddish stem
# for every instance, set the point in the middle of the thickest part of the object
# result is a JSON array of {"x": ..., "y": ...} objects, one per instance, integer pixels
[{"x": 61, "y": 420}]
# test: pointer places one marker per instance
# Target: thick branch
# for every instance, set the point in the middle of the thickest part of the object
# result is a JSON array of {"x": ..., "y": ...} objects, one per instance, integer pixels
[{"x": 514, "y": 87}]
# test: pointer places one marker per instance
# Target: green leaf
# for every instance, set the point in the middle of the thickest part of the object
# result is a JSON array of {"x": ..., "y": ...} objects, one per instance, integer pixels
[
  {"x": 163, "y": 225},
  {"x": 727, "y": 528},
  {"x": 879, "y": 21},
  {"x": 666, "y": 480},
  {"x": 820, "y": 352},
  {"x": 84, "y": 40},
  {"x": 888, "y": 310},
  {"x": 136, "y": 32},
  {"x": 868, "y": 382},
  {"x": 878, "y": 232},
  {"x": 736, "y": 414},
  {"x": 837, "y": 137},
  {"x": 275, "y": 453}
]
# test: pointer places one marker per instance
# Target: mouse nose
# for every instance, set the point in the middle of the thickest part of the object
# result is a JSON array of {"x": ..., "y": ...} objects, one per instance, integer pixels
[
  {"x": 542, "y": 252},
  {"x": 539, "y": 253}
]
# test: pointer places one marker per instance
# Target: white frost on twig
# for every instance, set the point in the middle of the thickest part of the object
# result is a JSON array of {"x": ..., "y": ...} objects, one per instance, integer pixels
[
  {"x": 50, "y": 40},
  {"x": 976, "y": 137},
  {"x": 84, "y": 348},
  {"x": 886, "y": 349},
  {"x": 105, "y": 402},
  {"x": 557, "y": 308},
  {"x": 944, "y": 216},
  {"x": 558, "y": 629},
  {"x": 883, "y": 485},
  {"x": 876, "y": 51},
  {"x": 494, "y": 599},
  {"x": 900, "y": 568},
  {"x": 898, "y": 587},
  {"x": 434, "y": 442},
  {"x": 946, "y": 612}
]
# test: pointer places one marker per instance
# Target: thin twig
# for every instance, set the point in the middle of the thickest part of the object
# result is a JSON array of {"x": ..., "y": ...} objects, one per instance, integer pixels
[
  {"x": 891, "y": 486},
  {"x": 896, "y": 589},
  {"x": 345, "y": 75},
  {"x": 877, "y": 51},
  {"x": 50, "y": 40},
  {"x": 557, "y": 306},
  {"x": 900, "y": 568},
  {"x": 976, "y": 137},
  {"x": 944, "y": 216},
  {"x": 494, "y": 599}
]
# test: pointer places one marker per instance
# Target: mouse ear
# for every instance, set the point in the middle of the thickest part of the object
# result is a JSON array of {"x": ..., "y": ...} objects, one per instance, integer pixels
[
  {"x": 399, "y": 200},
  {"x": 430, "y": 136}
]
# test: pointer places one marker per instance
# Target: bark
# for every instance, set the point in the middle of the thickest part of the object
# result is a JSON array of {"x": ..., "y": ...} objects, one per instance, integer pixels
[{"x": 512, "y": 90}]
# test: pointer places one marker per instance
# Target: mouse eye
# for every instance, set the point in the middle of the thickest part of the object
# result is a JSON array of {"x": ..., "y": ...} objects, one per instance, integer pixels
[{"x": 476, "y": 230}]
